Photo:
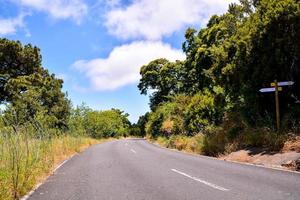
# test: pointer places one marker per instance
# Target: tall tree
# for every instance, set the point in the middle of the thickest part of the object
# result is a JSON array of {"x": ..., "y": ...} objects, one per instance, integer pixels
[
  {"x": 16, "y": 61},
  {"x": 28, "y": 88},
  {"x": 161, "y": 79}
]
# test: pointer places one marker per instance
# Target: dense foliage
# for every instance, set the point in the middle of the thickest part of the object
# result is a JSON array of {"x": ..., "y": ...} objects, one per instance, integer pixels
[
  {"x": 99, "y": 124},
  {"x": 28, "y": 89},
  {"x": 227, "y": 62}
]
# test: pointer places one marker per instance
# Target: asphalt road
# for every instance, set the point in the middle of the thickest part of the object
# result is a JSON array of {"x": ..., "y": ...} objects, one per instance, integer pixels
[{"x": 136, "y": 169}]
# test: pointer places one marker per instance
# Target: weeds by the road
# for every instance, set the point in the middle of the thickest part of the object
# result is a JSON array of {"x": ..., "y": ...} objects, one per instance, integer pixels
[
  {"x": 217, "y": 142},
  {"x": 180, "y": 142},
  {"x": 25, "y": 160}
]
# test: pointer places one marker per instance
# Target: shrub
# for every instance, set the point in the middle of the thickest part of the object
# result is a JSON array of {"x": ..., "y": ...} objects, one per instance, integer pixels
[
  {"x": 262, "y": 137},
  {"x": 154, "y": 124},
  {"x": 196, "y": 144},
  {"x": 168, "y": 117},
  {"x": 163, "y": 141},
  {"x": 214, "y": 141},
  {"x": 201, "y": 112}
]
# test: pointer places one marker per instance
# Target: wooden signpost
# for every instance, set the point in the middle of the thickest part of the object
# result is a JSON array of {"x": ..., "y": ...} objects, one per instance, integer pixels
[{"x": 275, "y": 87}]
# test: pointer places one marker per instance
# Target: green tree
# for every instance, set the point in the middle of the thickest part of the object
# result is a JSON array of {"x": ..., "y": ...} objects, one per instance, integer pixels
[
  {"x": 27, "y": 88},
  {"x": 108, "y": 123},
  {"x": 162, "y": 78},
  {"x": 226, "y": 64},
  {"x": 141, "y": 123},
  {"x": 16, "y": 61},
  {"x": 77, "y": 118}
]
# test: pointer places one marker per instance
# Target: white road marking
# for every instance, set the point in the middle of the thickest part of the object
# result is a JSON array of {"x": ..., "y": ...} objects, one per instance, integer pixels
[
  {"x": 60, "y": 165},
  {"x": 201, "y": 181},
  {"x": 126, "y": 144},
  {"x": 26, "y": 197},
  {"x": 31, "y": 192},
  {"x": 132, "y": 150}
]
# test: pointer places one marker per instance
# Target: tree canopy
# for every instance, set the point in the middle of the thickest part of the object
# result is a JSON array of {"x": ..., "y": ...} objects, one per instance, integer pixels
[
  {"x": 28, "y": 88},
  {"x": 227, "y": 62},
  {"x": 99, "y": 124}
]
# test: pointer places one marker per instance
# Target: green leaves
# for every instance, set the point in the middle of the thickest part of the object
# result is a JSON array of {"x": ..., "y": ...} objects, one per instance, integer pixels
[
  {"x": 16, "y": 60},
  {"x": 28, "y": 88},
  {"x": 162, "y": 78},
  {"x": 227, "y": 62},
  {"x": 99, "y": 124}
]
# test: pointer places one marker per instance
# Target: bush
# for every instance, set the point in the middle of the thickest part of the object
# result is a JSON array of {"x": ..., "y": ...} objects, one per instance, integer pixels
[
  {"x": 263, "y": 138},
  {"x": 163, "y": 141},
  {"x": 168, "y": 118},
  {"x": 196, "y": 144},
  {"x": 154, "y": 124},
  {"x": 99, "y": 124},
  {"x": 200, "y": 113},
  {"x": 214, "y": 141},
  {"x": 182, "y": 142}
]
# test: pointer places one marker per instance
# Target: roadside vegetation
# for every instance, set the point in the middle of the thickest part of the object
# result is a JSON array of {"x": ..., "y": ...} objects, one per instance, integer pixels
[
  {"x": 39, "y": 128},
  {"x": 210, "y": 103},
  {"x": 25, "y": 161}
]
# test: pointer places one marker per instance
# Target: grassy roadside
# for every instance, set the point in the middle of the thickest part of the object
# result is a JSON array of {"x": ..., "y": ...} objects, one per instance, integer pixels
[
  {"x": 217, "y": 145},
  {"x": 25, "y": 161},
  {"x": 285, "y": 155},
  {"x": 181, "y": 143}
]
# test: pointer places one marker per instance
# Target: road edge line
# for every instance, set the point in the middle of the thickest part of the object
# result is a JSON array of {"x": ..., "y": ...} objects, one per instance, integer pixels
[
  {"x": 26, "y": 196},
  {"x": 42, "y": 182},
  {"x": 228, "y": 161}
]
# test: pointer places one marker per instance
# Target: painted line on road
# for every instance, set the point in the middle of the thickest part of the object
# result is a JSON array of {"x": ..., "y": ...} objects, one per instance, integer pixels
[
  {"x": 40, "y": 184},
  {"x": 133, "y": 151},
  {"x": 31, "y": 192},
  {"x": 272, "y": 167},
  {"x": 201, "y": 181},
  {"x": 60, "y": 165}
]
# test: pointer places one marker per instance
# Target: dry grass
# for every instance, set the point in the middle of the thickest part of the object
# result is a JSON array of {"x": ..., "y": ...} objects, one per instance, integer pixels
[
  {"x": 183, "y": 143},
  {"x": 25, "y": 161},
  {"x": 292, "y": 144},
  {"x": 219, "y": 142}
]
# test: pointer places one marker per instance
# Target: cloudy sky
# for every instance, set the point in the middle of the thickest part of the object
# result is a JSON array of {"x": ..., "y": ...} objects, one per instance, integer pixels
[{"x": 98, "y": 46}]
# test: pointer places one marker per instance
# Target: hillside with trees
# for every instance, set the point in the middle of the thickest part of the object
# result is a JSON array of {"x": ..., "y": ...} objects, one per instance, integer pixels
[{"x": 210, "y": 103}]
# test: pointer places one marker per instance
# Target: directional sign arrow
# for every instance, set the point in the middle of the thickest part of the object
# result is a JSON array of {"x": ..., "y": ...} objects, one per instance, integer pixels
[
  {"x": 284, "y": 83},
  {"x": 270, "y": 89}
]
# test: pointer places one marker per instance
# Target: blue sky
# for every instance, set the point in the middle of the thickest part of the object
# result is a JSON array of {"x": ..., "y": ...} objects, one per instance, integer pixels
[{"x": 98, "y": 46}]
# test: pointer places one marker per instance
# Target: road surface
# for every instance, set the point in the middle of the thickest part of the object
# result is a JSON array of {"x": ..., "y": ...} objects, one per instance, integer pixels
[{"x": 135, "y": 169}]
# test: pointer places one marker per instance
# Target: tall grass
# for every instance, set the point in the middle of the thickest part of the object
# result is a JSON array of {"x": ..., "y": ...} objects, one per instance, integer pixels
[
  {"x": 25, "y": 158},
  {"x": 193, "y": 144},
  {"x": 217, "y": 141}
]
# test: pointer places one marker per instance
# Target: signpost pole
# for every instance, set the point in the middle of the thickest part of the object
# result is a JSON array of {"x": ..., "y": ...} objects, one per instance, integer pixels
[
  {"x": 276, "y": 87},
  {"x": 277, "y": 105}
]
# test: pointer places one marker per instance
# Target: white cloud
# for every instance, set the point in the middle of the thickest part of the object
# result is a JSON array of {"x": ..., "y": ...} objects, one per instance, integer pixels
[
  {"x": 122, "y": 65},
  {"x": 64, "y": 77},
  {"x": 153, "y": 19},
  {"x": 10, "y": 25},
  {"x": 58, "y": 9},
  {"x": 113, "y": 3}
]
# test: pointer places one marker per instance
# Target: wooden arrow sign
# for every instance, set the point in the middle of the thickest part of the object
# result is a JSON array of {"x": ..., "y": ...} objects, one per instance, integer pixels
[
  {"x": 270, "y": 89},
  {"x": 284, "y": 83},
  {"x": 275, "y": 88}
]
